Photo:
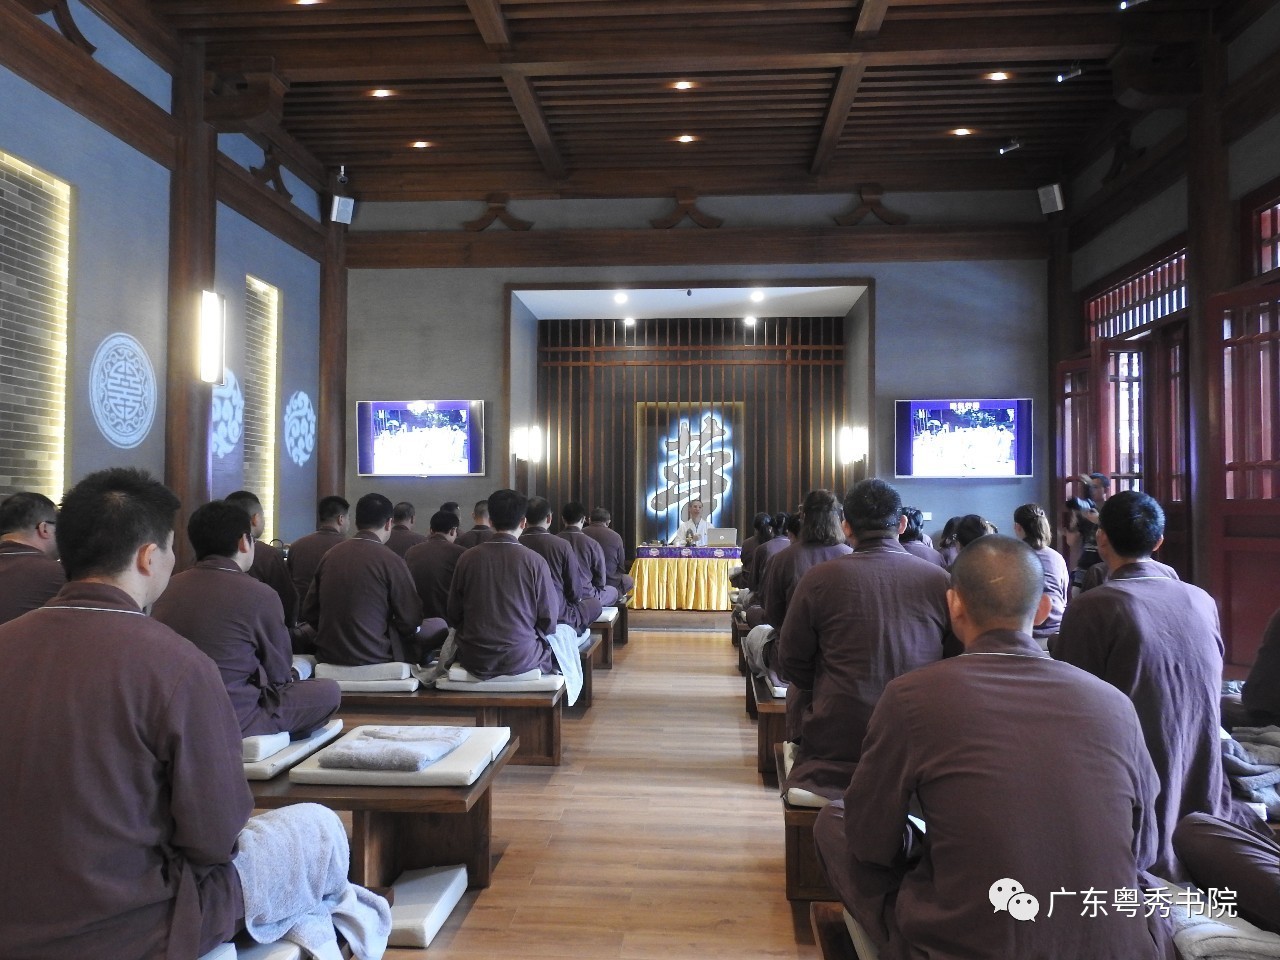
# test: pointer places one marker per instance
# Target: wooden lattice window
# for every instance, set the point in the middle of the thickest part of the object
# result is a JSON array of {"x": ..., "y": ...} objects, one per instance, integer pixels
[
  {"x": 1140, "y": 299},
  {"x": 1262, "y": 229},
  {"x": 1251, "y": 398}
]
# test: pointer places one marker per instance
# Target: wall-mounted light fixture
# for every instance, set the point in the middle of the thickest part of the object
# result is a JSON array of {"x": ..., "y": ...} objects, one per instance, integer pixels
[
  {"x": 1013, "y": 144},
  {"x": 526, "y": 443},
  {"x": 213, "y": 337},
  {"x": 852, "y": 444}
]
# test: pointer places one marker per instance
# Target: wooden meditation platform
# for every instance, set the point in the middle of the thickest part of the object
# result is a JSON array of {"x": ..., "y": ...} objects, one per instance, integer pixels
[
  {"x": 588, "y": 656},
  {"x": 394, "y": 829},
  {"x": 805, "y": 877},
  {"x": 771, "y": 724},
  {"x": 534, "y": 718}
]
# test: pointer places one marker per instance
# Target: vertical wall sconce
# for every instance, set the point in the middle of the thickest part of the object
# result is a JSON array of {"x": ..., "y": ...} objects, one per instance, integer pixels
[
  {"x": 526, "y": 444},
  {"x": 213, "y": 337},
  {"x": 535, "y": 444},
  {"x": 852, "y": 444}
]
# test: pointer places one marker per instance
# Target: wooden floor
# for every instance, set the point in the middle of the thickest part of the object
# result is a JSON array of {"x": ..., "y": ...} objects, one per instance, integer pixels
[{"x": 655, "y": 839}]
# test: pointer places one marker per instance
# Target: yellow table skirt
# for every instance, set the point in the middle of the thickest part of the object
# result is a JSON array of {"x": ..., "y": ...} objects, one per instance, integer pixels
[{"x": 685, "y": 583}]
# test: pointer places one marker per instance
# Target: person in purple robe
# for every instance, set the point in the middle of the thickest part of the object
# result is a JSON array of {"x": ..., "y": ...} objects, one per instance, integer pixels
[
  {"x": 1030, "y": 785},
  {"x": 1221, "y": 855},
  {"x": 1260, "y": 697},
  {"x": 403, "y": 537},
  {"x": 853, "y": 624},
  {"x": 363, "y": 603},
  {"x": 30, "y": 573},
  {"x": 615, "y": 552},
  {"x": 432, "y": 562},
  {"x": 481, "y": 531},
  {"x": 1157, "y": 640},
  {"x": 577, "y": 607},
  {"x": 239, "y": 624},
  {"x": 332, "y": 514},
  {"x": 503, "y": 601},
  {"x": 124, "y": 817},
  {"x": 269, "y": 565},
  {"x": 589, "y": 553}
]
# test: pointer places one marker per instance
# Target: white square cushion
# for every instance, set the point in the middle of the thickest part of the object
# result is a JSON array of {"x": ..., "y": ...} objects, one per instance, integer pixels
[
  {"x": 408, "y": 685},
  {"x": 423, "y": 901},
  {"x": 531, "y": 681},
  {"x": 607, "y": 615},
  {"x": 268, "y": 767},
  {"x": 223, "y": 951},
  {"x": 460, "y": 768},
  {"x": 369, "y": 671},
  {"x": 246, "y": 949},
  {"x": 253, "y": 749},
  {"x": 795, "y": 796}
]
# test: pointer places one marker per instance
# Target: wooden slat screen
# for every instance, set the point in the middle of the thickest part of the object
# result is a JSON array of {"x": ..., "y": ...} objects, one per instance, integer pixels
[{"x": 781, "y": 383}]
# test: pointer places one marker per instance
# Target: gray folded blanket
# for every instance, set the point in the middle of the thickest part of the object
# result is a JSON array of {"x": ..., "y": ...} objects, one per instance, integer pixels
[
  {"x": 1251, "y": 760},
  {"x": 404, "y": 749}
]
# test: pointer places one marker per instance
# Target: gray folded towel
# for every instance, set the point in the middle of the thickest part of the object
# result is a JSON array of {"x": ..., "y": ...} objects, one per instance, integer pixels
[{"x": 390, "y": 752}]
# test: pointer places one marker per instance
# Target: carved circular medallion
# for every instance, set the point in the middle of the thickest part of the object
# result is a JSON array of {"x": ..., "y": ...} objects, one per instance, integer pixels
[
  {"x": 122, "y": 390},
  {"x": 299, "y": 428},
  {"x": 227, "y": 418}
]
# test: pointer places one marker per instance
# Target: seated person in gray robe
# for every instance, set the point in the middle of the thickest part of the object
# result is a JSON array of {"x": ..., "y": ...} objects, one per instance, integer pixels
[
  {"x": 403, "y": 536},
  {"x": 503, "y": 601},
  {"x": 1261, "y": 694},
  {"x": 1221, "y": 855},
  {"x": 269, "y": 565},
  {"x": 482, "y": 531},
  {"x": 122, "y": 828},
  {"x": 238, "y": 623},
  {"x": 431, "y": 564},
  {"x": 332, "y": 514},
  {"x": 615, "y": 552},
  {"x": 589, "y": 552},
  {"x": 29, "y": 570},
  {"x": 577, "y": 608},
  {"x": 1030, "y": 776}
]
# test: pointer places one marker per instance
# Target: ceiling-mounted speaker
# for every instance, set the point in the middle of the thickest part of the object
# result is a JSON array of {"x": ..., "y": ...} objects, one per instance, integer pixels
[
  {"x": 1051, "y": 199},
  {"x": 342, "y": 209}
]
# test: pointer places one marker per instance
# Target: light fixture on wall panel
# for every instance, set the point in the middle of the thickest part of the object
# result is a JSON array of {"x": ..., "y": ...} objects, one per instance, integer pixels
[
  {"x": 213, "y": 337},
  {"x": 852, "y": 443}
]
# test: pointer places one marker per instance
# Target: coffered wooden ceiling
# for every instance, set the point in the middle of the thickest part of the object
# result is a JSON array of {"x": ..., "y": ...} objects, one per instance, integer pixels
[{"x": 578, "y": 98}]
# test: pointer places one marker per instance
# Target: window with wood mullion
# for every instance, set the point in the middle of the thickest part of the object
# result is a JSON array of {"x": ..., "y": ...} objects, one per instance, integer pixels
[{"x": 1140, "y": 300}]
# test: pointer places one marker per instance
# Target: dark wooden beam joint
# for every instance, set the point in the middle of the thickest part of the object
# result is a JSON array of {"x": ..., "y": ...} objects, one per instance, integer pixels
[
  {"x": 497, "y": 211},
  {"x": 1149, "y": 76},
  {"x": 244, "y": 101},
  {"x": 269, "y": 173},
  {"x": 1124, "y": 152},
  {"x": 686, "y": 206},
  {"x": 62, "y": 17},
  {"x": 870, "y": 197}
]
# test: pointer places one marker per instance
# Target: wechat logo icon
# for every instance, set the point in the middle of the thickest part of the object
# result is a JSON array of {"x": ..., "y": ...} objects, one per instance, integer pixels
[{"x": 1008, "y": 894}]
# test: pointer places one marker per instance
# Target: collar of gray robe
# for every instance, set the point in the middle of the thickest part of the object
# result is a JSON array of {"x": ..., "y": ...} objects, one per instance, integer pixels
[
  {"x": 1011, "y": 642},
  {"x": 218, "y": 563},
  {"x": 1144, "y": 569}
]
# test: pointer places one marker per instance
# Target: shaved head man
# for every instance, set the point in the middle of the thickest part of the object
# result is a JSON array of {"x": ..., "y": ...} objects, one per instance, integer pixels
[
  {"x": 29, "y": 572},
  {"x": 1029, "y": 776}
]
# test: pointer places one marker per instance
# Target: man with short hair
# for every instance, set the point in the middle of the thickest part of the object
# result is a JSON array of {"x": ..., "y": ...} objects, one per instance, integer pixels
[
  {"x": 305, "y": 552},
  {"x": 239, "y": 624},
  {"x": 576, "y": 608},
  {"x": 29, "y": 571},
  {"x": 403, "y": 536},
  {"x": 431, "y": 564},
  {"x": 1031, "y": 779},
  {"x": 452, "y": 506},
  {"x": 1157, "y": 640},
  {"x": 615, "y": 552},
  {"x": 481, "y": 532},
  {"x": 268, "y": 563},
  {"x": 854, "y": 624},
  {"x": 503, "y": 601},
  {"x": 362, "y": 601},
  {"x": 589, "y": 553}
]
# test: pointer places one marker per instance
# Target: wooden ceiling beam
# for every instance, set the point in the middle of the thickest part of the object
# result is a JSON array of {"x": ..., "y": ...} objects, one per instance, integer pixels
[
  {"x": 135, "y": 21},
  {"x": 491, "y": 23},
  {"x": 870, "y": 18},
  {"x": 837, "y": 116},
  {"x": 535, "y": 122}
]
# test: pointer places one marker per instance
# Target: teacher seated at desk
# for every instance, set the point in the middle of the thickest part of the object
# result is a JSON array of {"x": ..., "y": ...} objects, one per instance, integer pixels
[{"x": 695, "y": 526}]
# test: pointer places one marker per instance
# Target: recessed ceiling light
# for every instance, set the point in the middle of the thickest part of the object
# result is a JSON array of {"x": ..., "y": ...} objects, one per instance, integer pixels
[
  {"x": 757, "y": 296},
  {"x": 306, "y": 3},
  {"x": 961, "y": 132},
  {"x": 382, "y": 92},
  {"x": 997, "y": 75},
  {"x": 683, "y": 85},
  {"x": 629, "y": 321},
  {"x": 420, "y": 144},
  {"x": 620, "y": 297},
  {"x": 686, "y": 138},
  {"x": 749, "y": 321}
]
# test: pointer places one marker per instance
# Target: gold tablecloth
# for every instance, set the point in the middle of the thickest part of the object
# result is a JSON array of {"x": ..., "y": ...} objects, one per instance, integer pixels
[{"x": 686, "y": 583}]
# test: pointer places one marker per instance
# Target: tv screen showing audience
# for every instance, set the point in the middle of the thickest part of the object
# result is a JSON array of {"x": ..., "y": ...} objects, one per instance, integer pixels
[
  {"x": 963, "y": 438},
  {"x": 420, "y": 438}
]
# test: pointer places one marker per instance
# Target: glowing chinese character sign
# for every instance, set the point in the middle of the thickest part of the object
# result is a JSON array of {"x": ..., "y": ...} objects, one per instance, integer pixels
[{"x": 695, "y": 461}]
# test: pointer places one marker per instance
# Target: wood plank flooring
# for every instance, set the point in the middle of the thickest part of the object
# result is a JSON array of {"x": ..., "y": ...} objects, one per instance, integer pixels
[{"x": 655, "y": 839}]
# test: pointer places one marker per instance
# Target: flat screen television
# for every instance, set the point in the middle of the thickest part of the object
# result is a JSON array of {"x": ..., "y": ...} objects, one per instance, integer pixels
[
  {"x": 420, "y": 438},
  {"x": 963, "y": 438}
]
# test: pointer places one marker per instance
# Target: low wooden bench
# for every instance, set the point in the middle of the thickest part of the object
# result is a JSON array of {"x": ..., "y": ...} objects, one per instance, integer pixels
[
  {"x": 771, "y": 723},
  {"x": 738, "y": 630},
  {"x": 534, "y": 718},
  {"x": 587, "y": 655},
  {"x": 830, "y": 934},
  {"x": 394, "y": 829},
  {"x": 607, "y": 631},
  {"x": 805, "y": 877}
]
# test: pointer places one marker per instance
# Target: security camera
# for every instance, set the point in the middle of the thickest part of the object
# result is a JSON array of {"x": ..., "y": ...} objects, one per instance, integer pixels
[{"x": 342, "y": 174}]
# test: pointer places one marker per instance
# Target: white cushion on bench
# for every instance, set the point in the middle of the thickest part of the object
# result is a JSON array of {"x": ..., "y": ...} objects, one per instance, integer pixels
[
  {"x": 245, "y": 949},
  {"x": 795, "y": 796},
  {"x": 607, "y": 615},
  {"x": 531, "y": 681},
  {"x": 407, "y": 685},
  {"x": 369, "y": 671},
  {"x": 223, "y": 951},
  {"x": 268, "y": 767},
  {"x": 460, "y": 768},
  {"x": 253, "y": 749},
  {"x": 423, "y": 901}
]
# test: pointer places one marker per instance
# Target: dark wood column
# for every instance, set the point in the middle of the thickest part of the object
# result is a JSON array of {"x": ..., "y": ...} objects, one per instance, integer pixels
[
  {"x": 192, "y": 229},
  {"x": 1065, "y": 336},
  {"x": 331, "y": 432},
  {"x": 1209, "y": 270}
]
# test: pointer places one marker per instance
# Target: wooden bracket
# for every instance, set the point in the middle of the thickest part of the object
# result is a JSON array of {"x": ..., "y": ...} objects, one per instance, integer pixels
[
  {"x": 1125, "y": 152},
  {"x": 269, "y": 173},
  {"x": 870, "y": 196},
  {"x": 497, "y": 211},
  {"x": 1150, "y": 76},
  {"x": 62, "y": 17},
  {"x": 686, "y": 206},
  {"x": 245, "y": 98}
]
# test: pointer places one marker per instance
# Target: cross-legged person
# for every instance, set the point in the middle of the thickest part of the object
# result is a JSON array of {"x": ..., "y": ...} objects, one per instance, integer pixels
[
  {"x": 589, "y": 553},
  {"x": 578, "y": 609},
  {"x": 269, "y": 565},
  {"x": 1031, "y": 779},
  {"x": 615, "y": 552},
  {"x": 481, "y": 531},
  {"x": 29, "y": 571},
  {"x": 403, "y": 535},
  {"x": 239, "y": 624},
  {"x": 332, "y": 515},
  {"x": 432, "y": 562}
]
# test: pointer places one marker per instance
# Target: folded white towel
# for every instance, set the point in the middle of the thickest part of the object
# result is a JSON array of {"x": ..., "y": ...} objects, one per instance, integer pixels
[
  {"x": 463, "y": 675},
  {"x": 410, "y": 734},
  {"x": 253, "y": 749},
  {"x": 392, "y": 753},
  {"x": 370, "y": 671}
]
